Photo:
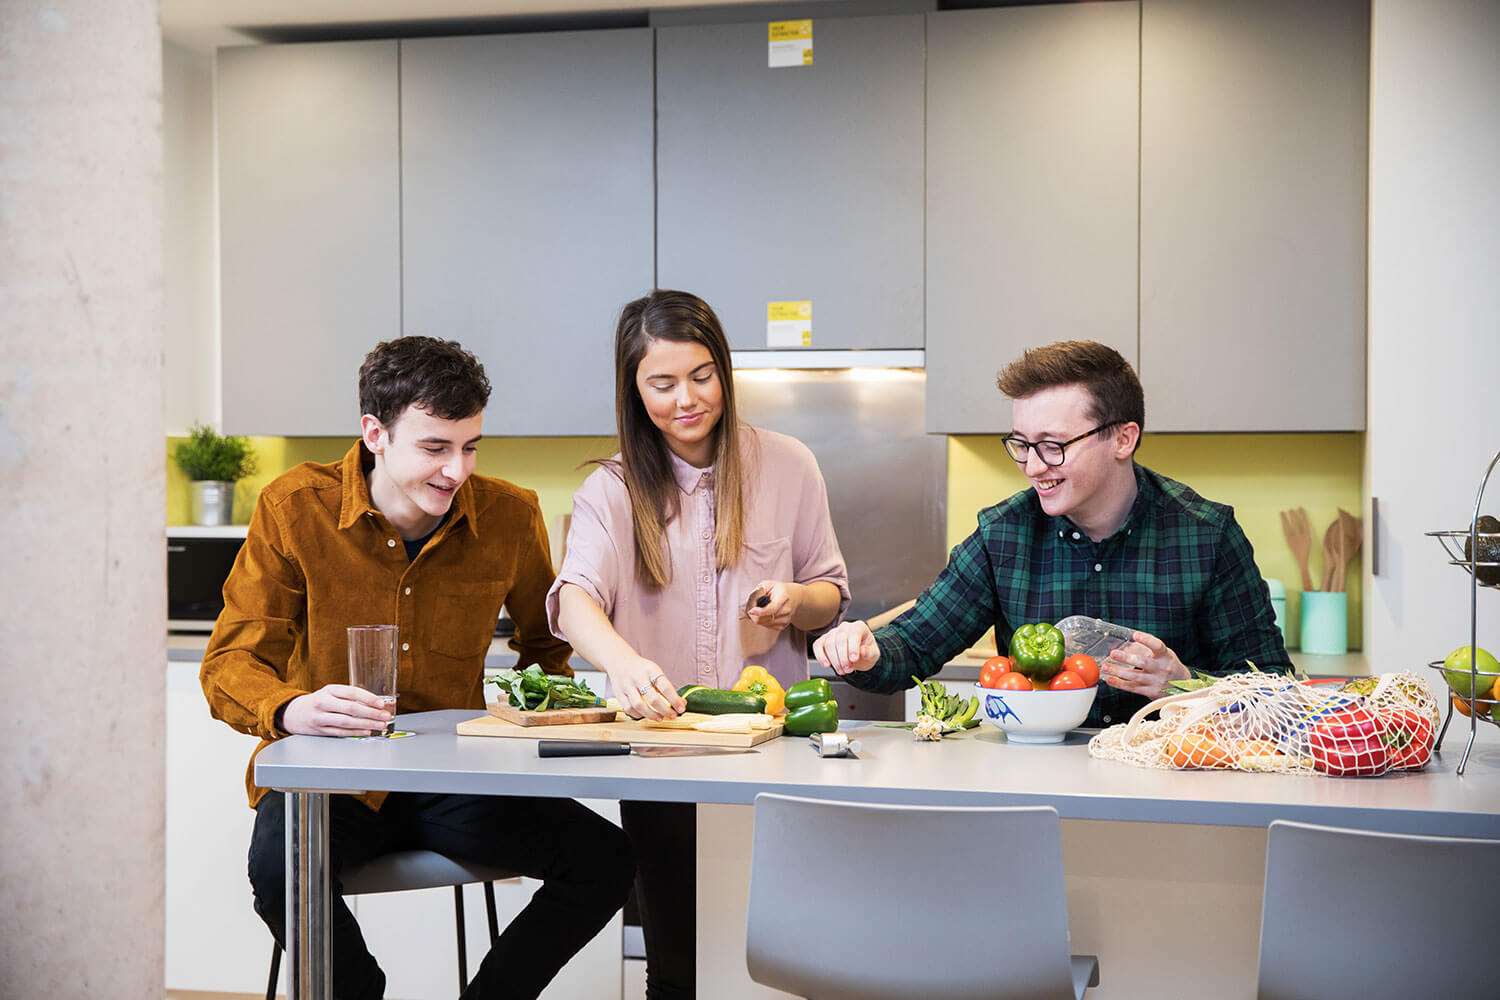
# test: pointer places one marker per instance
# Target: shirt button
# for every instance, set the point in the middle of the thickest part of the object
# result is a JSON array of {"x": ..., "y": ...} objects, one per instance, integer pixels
[
  {"x": 705, "y": 536},
  {"x": 705, "y": 579},
  {"x": 1098, "y": 567},
  {"x": 1108, "y": 719},
  {"x": 707, "y": 625},
  {"x": 405, "y": 646},
  {"x": 408, "y": 591},
  {"x": 1075, "y": 536},
  {"x": 390, "y": 543}
]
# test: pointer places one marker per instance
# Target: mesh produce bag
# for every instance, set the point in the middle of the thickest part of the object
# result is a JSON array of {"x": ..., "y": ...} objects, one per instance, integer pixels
[{"x": 1271, "y": 722}]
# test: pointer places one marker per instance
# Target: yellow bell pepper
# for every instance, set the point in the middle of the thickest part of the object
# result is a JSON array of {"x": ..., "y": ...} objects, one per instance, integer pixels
[{"x": 757, "y": 680}]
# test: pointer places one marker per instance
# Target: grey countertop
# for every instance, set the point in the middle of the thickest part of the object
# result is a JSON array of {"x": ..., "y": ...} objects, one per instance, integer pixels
[{"x": 974, "y": 768}]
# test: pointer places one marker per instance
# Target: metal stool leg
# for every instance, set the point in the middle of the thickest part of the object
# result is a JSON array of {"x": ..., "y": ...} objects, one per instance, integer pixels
[
  {"x": 463, "y": 955},
  {"x": 275, "y": 970},
  {"x": 489, "y": 903}
]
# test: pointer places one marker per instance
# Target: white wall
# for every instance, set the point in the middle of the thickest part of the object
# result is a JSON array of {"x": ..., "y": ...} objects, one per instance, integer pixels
[
  {"x": 1434, "y": 317},
  {"x": 190, "y": 269}
]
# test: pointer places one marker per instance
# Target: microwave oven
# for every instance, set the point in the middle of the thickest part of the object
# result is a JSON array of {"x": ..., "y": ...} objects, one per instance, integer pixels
[{"x": 198, "y": 563}]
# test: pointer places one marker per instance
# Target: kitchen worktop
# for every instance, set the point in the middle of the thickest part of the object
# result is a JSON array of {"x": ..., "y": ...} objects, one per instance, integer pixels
[{"x": 974, "y": 768}]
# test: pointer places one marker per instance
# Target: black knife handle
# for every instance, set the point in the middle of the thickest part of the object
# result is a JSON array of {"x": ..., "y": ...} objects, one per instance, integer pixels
[{"x": 581, "y": 748}]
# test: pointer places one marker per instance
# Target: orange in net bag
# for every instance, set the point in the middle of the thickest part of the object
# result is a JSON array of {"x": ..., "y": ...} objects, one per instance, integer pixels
[{"x": 1270, "y": 722}]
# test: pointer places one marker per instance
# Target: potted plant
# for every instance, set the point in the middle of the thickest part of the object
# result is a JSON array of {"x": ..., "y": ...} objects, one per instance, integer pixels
[{"x": 214, "y": 464}]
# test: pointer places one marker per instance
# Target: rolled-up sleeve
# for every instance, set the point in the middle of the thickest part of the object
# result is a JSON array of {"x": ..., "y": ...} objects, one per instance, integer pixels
[
  {"x": 265, "y": 605},
  {"x": 593, "y": 561}
]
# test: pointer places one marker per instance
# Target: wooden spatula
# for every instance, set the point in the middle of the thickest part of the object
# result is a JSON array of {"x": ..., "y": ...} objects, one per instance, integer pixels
[
  {"x": 1332, "y": 540},
  {"x": 1299, "y": 540},
  {"x": 1351, "y": 533}
]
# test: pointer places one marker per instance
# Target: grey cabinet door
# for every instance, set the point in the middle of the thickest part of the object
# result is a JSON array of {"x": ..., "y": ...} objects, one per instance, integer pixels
[
  {"x": 527, "y": 212},
  {"x": 1031, "y": 194},
  {"x": 799, "y": 184},
  {"x": 309, "y": 240},
  {"x": 1253, "y": 197}
]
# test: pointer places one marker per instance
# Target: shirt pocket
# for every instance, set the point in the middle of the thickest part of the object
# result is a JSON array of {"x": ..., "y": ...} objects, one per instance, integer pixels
[
  {"x": 463, "y": 623},
  {"x": 768, "y": 560}
]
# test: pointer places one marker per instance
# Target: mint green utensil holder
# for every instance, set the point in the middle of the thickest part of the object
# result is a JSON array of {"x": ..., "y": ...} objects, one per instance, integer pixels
[{"x": 1325, "y": 622}]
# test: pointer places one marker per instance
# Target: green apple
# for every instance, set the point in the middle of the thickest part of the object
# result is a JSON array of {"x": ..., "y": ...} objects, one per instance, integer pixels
[{"x": 1456, "y": 670}]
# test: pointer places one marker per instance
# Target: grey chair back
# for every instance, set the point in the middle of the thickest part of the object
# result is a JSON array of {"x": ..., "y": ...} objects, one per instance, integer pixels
[
  {"x": 853, "y": 901},
  {"x": 1349, "y": 913}
]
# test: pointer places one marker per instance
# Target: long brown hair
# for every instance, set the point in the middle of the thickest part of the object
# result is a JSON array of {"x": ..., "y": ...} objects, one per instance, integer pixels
[{"x": 644, "y": 464}]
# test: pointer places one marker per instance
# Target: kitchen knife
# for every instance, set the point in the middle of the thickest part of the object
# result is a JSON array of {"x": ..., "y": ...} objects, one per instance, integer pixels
[{"x": 609, "y": 748}]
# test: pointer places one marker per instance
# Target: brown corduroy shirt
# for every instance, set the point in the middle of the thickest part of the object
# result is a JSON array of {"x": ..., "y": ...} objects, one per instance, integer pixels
[{"x": 319, "y": 557}]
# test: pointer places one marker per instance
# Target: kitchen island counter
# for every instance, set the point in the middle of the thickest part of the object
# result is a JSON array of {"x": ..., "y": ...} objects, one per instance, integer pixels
[
  {"x": 1194, "y": 867},
  {"x": 974, "y": 768}
]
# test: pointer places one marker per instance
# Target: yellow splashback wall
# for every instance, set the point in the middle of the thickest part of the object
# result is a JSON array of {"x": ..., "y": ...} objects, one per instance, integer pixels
[
  {"x": 1257, "y": 474},
  {"x": 548, "y": 465}
]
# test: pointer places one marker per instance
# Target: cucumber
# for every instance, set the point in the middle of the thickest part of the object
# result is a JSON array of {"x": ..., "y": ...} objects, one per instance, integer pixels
[{"x": 714, "y": 701}]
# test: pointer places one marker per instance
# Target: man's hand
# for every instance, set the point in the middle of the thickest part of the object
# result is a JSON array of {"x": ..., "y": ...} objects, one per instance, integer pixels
[
  {"x": 335, "y": 710},
  {"x": 848, "y": 648},
  {"x": 1143, "y": 666}
]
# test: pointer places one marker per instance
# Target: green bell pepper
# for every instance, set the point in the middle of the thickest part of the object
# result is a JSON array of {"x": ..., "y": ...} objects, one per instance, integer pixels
[
  {"x": 810, "y": 692},
  {"x": 818, "y": 717},
  {"x": 1037, "y": 651}
]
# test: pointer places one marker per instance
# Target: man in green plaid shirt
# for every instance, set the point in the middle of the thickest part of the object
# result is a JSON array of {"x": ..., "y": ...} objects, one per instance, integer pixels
[{"x": 1096, "y": 535}]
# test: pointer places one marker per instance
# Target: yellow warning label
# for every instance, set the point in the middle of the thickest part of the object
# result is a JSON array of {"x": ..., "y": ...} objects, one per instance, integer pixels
[
  {"x": 786, "y": 31},
  {"x": 783, "y": 311}
]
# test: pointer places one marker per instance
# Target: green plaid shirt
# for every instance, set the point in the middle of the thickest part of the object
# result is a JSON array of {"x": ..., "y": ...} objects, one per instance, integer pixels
[{"x": 1179, "y": 568}]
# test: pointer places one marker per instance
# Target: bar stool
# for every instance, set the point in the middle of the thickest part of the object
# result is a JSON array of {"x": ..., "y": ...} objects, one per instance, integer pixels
[
  {"x": 905, "y": 933},
  {"x": 403, "y": 870}
]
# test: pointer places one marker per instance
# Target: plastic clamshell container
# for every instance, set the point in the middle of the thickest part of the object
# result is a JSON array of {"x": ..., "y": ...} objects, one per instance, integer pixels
[{"x": 1093, "y": 636}]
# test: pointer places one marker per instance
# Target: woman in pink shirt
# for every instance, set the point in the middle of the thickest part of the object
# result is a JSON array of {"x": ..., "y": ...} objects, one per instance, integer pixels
[{"x": 668, "y": 540}]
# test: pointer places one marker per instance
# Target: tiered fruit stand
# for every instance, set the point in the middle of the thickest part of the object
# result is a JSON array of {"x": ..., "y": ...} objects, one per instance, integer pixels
[{"x": 1480, "y": 680}]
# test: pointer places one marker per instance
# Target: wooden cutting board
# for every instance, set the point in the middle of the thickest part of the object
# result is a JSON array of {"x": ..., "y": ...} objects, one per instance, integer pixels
[
  {"x": 551, "y": 717},
  {"x": 628, "y": 731}
]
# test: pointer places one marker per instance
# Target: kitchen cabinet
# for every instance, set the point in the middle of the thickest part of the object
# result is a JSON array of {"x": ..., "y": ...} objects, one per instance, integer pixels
[
  {"x": 1032, "y": 117},
  {"x": 309, "y": 229},
  {"x": 795, "y": 184},
  {"x": 527, "y": 212},
  {"x": 1253, "y": 199}
]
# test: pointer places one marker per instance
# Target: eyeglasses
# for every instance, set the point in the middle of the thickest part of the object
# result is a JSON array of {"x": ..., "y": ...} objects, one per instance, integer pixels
[{"x": 1052, "y": 453}]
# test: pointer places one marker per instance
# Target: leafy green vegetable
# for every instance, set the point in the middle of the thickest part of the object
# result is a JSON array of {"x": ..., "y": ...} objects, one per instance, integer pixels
[{"x": 533, "y": 690}]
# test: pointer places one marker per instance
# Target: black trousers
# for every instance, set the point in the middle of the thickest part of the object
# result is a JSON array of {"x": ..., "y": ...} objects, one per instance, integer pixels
[
  {"x": 583, "y": 860},
  {"x": 665, "y": 835}
]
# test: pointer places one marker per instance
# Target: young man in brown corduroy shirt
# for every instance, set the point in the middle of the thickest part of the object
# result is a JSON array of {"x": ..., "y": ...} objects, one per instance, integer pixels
[{"x": 401, "y": 532}]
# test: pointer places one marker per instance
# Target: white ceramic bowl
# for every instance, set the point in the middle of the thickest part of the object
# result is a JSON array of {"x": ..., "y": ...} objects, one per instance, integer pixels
[{"x": 1034, "y": 716}]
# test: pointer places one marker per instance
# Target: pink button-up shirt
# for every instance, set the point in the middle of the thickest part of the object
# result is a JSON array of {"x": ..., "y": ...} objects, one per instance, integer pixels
[{"x": 695, "y": 628}]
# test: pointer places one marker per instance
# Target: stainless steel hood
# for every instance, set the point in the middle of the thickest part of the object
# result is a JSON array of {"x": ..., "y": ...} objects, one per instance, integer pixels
[{"x": 812, "y": 359}]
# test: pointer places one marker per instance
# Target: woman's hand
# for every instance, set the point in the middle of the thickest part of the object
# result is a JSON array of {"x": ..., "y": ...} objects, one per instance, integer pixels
[
  {"x": 782, "y": 601},
  {"x": 808, "y": 606},
  {"x": 1143, "y": 666},
  {"x": 643, "y": 689}
]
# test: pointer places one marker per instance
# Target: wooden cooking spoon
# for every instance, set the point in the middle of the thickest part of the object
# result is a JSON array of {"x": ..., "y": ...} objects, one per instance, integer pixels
[{"x": 1332, "y": 558}]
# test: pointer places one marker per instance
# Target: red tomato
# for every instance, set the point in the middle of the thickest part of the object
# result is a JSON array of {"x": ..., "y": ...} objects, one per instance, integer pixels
[
  {"x": 1084, "y": 666},
  {"x": 993, "y": 668},
  {"x": 1068, "y": 680},
  {"x": 1012, "y": 681}
]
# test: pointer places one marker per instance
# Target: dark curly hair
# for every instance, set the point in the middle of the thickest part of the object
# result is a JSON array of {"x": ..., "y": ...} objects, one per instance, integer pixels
[{"x": 437, "y": 375}]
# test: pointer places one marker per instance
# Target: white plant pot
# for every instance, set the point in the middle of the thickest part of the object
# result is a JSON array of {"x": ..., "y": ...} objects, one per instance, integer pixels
[{"x": 212, "y": 502}]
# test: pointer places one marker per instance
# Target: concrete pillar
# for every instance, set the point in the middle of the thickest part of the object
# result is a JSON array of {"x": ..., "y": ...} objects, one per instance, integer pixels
[{"x": 82, "y": 508}]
